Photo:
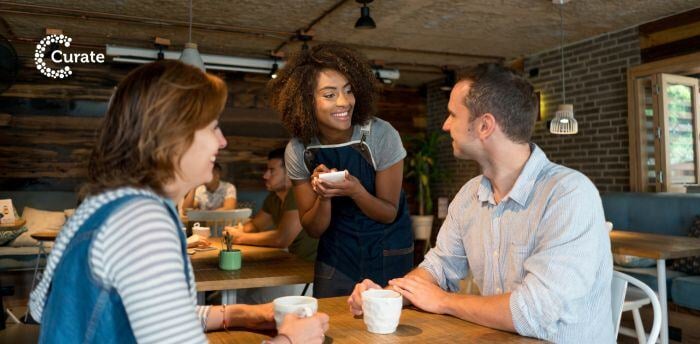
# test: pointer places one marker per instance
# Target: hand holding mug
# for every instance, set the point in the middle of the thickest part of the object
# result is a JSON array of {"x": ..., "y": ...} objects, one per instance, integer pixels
[
  {"x": 305, "y": 330},
  {"x": 355, "y": 299}
]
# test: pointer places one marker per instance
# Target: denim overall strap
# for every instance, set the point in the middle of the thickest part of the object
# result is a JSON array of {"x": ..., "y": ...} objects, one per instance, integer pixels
[
  {"x": 79, "y": 308},
  {"x": 354, "y": 246}
]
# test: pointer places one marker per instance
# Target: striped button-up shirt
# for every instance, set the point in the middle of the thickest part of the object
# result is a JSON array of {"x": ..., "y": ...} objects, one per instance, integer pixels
[{"x": 545, "y": 242}]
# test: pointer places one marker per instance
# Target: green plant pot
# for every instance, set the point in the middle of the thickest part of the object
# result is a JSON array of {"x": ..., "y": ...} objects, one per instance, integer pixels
[{"x": 230, "y": 260}]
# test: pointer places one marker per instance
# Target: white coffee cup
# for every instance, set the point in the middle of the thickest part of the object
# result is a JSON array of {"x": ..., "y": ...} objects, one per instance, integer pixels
[
  {"x": 303, "y": 306},
  {"x": 382, "y": 310},
  {"x": 203, "y": 232},
  {"x": 335, "y": 177}
]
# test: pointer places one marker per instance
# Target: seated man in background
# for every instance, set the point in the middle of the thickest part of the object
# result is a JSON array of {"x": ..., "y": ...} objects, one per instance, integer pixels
[
  {"x": 276, "y": 225},
  {"x": 215, "y": 195},
  {"x": 532, "y": 232}
]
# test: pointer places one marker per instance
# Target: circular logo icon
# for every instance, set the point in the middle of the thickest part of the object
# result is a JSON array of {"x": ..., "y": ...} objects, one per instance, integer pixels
[{"x": 39, "y": 56}]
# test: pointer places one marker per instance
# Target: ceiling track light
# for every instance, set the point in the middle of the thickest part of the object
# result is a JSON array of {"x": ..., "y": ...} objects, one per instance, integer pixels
[
  {"x": 275, "y": 66},
  {"x": 217, "y": 62},
  {"x": 365, "y": 22},
  {"x": 304, "y": 37}
]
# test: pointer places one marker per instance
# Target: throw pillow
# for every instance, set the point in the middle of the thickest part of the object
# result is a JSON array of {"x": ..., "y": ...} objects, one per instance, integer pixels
[
  {"x": 39, "y": 221},
  {"x": 7, "y": 236},
  {"x": 689, "y": 265}
]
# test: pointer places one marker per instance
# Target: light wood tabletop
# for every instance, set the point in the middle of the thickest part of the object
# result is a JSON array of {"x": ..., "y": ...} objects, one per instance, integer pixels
[
  {"x": 45, "y": 235},
  {"x": 13, "y": 226},
  {"x": 654, "y": 246},
  {"x": 260, "y": 267},
  {"x": 414, "y": 327}
]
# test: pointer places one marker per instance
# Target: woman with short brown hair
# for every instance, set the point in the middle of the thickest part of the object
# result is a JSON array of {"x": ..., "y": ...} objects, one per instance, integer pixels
[{"x": 119, "y": 271}]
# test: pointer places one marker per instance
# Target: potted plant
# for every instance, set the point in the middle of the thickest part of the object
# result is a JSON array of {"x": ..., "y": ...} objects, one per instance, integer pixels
[
  {"x": 421, "y": 169},
  {"x": 229, "y": 258}
]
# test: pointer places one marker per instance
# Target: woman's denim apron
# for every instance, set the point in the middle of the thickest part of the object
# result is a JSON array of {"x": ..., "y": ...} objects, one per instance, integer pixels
[{"x": 355, "y": 247}]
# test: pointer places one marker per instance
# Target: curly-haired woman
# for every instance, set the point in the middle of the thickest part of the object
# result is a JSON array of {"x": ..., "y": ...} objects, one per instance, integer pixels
[
  {"x": 326, "y": 96},
  {"x": 119, "y": 272}
]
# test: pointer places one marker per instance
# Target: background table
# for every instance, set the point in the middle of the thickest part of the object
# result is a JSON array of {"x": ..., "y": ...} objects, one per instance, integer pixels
[
  {"x": 415, "y": 327},
  {"x": 260, "y": 267},
  {"x": 10, "y": 227},
  {"x": 659, "y": 247}
]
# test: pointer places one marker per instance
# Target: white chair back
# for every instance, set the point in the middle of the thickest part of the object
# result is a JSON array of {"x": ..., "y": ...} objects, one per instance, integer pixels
[
  {"x": 218, "y": 219},
  {"x": 619, "y": 289}
]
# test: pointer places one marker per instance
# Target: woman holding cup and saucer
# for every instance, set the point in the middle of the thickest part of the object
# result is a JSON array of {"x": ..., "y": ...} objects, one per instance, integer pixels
[{"x": 326, "y": 97}]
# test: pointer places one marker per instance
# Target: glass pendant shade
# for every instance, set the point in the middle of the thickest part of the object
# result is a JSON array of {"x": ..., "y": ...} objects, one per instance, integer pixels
[
  {"x": 564, "y": 122},
  {"x": 190, "y": 55}
]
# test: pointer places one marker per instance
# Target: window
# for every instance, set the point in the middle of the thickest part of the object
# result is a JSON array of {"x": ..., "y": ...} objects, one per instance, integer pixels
[{"x": 664, "y": 122}]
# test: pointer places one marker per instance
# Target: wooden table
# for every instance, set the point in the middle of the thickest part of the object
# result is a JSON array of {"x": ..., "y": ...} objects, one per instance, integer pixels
[
  {"x": 261, "y": 267},
  {"x": 659, "y": 247},
  {"x": 13, "y": 226},
  {"x": 415, "y": 327}
]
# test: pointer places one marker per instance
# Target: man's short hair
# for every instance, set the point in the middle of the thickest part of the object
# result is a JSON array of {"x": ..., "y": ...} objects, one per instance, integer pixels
[
  {"x": 276, "y": 154},
  {"x": 508, "y": 96}
]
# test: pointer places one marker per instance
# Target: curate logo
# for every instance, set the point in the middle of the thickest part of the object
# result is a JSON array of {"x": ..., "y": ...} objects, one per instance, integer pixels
[{"x": 58, "y": 56}]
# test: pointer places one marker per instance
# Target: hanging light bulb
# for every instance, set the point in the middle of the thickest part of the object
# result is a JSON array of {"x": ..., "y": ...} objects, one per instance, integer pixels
[
  {"x": 273, "y": 70},
  {"x": 190, "y": 54},
  {"x": 365, "y": 21},
  {"x": 564, "y": 122}
]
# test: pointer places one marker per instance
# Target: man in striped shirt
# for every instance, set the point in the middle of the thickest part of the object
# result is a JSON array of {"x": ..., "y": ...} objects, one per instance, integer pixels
[{"x": 531, "y": 232}]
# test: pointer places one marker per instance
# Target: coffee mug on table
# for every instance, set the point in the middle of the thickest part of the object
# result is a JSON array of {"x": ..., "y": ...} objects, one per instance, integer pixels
[
  {"x": 382, "y": 310},
  {"x": 230, "y": 260},
  {"x": 203, "y": 232},
  {"x": 303, "y": 306}
]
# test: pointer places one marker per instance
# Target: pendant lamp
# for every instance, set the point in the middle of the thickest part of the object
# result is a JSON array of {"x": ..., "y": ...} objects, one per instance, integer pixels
[
  {"x": 564, "y": 122},
  {"x": 190, "y": 54}
]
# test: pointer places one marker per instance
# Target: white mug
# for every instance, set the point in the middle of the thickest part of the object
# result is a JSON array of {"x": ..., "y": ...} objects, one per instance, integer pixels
[
  {"x": 303, "y": 306},
  {"x": 382, "y": 310},
  {"x": 203, "y": 232}
]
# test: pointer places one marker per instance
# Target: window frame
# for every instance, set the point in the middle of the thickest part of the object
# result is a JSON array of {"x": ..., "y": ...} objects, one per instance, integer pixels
[{"x": 681, "y": 65}]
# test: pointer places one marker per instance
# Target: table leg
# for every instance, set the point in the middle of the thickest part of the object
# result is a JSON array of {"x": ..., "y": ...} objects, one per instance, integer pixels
[
  {"x": 36, "y": 272},
  {"x": 661, "y": 273},
  {"x": 36, "y": 266},
  {"x": 228, "y": 297}
]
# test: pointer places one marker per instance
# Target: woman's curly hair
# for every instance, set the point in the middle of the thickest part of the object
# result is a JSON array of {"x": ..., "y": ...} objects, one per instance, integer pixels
[{"x": 292, "y": 92}]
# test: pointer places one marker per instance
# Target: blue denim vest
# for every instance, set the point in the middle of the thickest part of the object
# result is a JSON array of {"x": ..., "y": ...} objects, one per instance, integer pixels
[{"x": 79, "y": 308}]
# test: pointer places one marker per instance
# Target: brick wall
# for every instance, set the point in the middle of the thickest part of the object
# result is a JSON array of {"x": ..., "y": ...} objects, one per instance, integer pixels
[
  {"x": 459, "y": 171},
  {"x": 596, "y": 83}
]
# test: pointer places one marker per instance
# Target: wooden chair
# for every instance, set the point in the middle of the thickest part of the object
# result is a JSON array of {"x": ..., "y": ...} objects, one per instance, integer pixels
[{"x": 218, "y": 219}]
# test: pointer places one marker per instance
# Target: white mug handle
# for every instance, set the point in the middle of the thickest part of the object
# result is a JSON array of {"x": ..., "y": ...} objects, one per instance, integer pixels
[{"x": 195, "y": 225}]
